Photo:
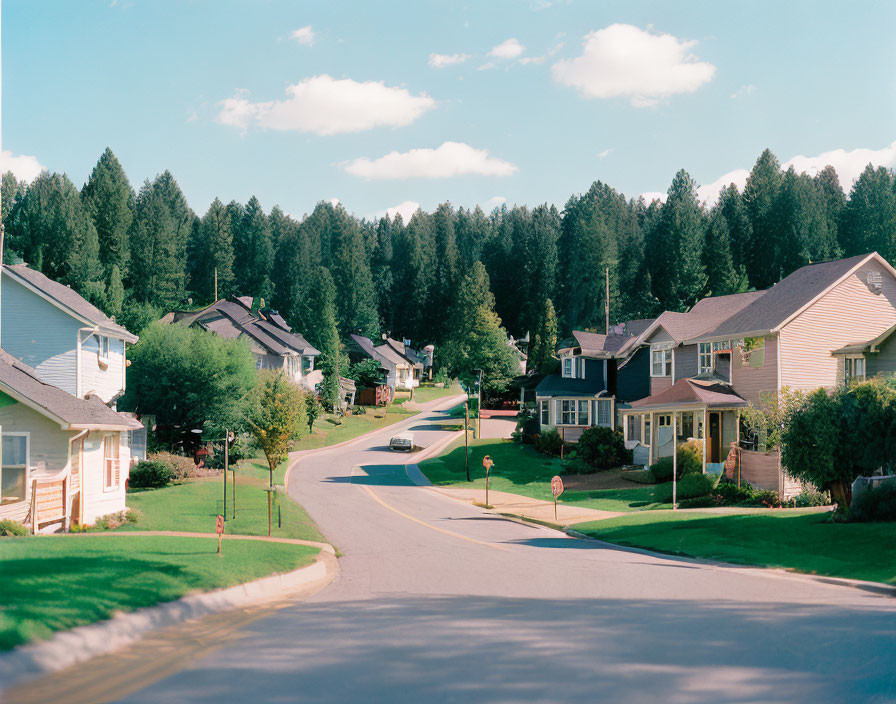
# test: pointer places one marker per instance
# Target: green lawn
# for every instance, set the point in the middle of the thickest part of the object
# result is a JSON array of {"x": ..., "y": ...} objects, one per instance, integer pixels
[
  {"x": 806, "y": 542},
  {"x": 326, "y": 433},
  {"x": 53, "y": 583},
  {"x": 424, "y": 394},
  {"x": 192, "y": 506},
  {"x": 520, "y": 469}
]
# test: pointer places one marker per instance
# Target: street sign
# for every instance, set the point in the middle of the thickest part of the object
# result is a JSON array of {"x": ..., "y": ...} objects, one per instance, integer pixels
[
  {"x": 219, "y": 529},
  {"x": 556, "y": 486},
  {"x": 487, "y": 462}
]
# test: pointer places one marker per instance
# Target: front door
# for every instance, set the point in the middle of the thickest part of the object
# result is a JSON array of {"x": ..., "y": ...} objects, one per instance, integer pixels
[{"x": 715, "y": 437}]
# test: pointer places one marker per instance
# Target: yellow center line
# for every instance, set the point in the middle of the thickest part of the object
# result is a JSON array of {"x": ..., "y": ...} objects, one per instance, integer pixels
[{"x": 429, "y": 525}]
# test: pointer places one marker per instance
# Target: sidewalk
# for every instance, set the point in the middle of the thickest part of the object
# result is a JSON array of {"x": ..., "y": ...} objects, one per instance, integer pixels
[{"x": 528, "y": 508}]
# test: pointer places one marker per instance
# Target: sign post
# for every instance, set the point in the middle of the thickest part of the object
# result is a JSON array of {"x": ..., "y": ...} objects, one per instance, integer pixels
[
  {"x": 487, "y": 462},
  {"x": 556, "y": 490},
  {"x": 219, "y": 529}
]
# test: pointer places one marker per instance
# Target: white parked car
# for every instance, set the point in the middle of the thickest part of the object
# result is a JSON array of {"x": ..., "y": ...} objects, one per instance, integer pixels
[{"x": 402, "y": 441}]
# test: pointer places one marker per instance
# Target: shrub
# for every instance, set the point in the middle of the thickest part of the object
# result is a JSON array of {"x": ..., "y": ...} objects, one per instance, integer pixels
[
  {"x": 689, "y": 486},
  {"x": 181, "y": 466},
  {"x": 639, "y": 476},
  {"x": 12, "y": 529},
  {"x": 767, "y": 497},
  {"x": 601, "y": 448},
  {"x": 151, "y": 474},
  {"x": 732, "y": 495},
  {"x": 878, "y": 504},
  {"x": 690, "y": 461},
  {"x": 708, "y": 501},
  {"x": 810, "y": 497},
  {"x": 111, "y": 521},
  {"x": 549, "y": 442}
]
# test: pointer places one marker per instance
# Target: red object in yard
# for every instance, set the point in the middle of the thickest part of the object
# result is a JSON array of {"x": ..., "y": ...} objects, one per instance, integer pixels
[
  {"x": 374, "y": 396},
  {"x": 556, "y": 486}
]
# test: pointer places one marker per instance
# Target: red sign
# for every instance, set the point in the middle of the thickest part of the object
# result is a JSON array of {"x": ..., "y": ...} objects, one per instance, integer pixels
[
  {"x": 219, "y": 525},
  {"x": 556, "y": 486},
  {"x": 487, "y": 462}
]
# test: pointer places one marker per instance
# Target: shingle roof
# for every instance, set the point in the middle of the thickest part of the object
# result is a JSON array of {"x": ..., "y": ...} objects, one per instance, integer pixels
[
  {"x": 74, "y": 412},
  {"x": 706, "y": 314},
  {"x": 367, "y": 347},
  {"x": 68, "y": 299},
  {"x": 557, "y": 385},
  {"x": 405, "y": 351},
  {"x": 292, "y": 339},
  {"x": 689, "y": 392},
  {"x": 784, "y": 298}
]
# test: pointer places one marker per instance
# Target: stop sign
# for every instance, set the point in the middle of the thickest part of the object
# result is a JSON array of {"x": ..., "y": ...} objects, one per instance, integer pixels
[{"x": 556, "y": 486}]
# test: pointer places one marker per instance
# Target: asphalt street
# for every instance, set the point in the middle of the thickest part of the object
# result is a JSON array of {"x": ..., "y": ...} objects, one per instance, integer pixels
[{"x": 438, "y": 601}]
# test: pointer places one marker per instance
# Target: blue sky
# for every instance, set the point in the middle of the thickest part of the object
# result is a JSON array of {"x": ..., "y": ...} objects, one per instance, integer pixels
[{"x": 298, "y": 102}]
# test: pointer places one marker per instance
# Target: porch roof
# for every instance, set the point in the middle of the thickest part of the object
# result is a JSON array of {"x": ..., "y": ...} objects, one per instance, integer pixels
[
  {"x": 703, "y": 393},
  {"x": 557, "y": 385}
]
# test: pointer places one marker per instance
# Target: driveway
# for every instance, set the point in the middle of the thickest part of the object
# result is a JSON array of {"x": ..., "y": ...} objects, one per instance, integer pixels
[{"x": 438, "y": 601}]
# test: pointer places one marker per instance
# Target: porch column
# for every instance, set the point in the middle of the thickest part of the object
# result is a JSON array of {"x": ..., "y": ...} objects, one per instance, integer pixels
[
  {"x": 705, "y": 438},
  {"x": 674, "y": 459},
  {"x": 650, "y": 445},
  {"x": 625, "y": 428}
]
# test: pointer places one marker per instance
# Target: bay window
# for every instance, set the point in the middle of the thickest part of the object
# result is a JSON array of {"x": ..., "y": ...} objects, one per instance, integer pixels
[
  {"x": 583, "y": 413},
  {"x": 567, "y": 413}
]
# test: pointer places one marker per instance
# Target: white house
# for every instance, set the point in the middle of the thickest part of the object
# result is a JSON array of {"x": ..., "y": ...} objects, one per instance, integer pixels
[{"x": 66, "y": 341}]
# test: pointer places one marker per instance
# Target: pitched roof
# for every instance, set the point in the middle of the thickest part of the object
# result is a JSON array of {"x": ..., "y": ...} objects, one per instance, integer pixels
[
  {"x": 705, "y": 315},
  {"x": 785, "y": 298},
  {"x": 367, "y": 347},
  {"x": 557, "y": 385},
  {"x": 712, "y": 393},
  {"x": 71, "y": 412},
  {"x": 291, "y": 339},
  {"x": 70, "y": 301}
]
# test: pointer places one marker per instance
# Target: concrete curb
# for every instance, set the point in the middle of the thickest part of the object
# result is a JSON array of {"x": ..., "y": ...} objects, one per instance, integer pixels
[
  {"x": 70, "y": 647},
  {"x": 326, "y": 547},
  {"x": 873, "y": 587}
]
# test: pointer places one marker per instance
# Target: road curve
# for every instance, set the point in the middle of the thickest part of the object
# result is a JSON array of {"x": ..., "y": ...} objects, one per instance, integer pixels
[{"x": 438, "y": 601}]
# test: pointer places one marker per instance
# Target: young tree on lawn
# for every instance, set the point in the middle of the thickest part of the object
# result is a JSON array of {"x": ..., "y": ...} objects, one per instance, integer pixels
[
  {"x": 277, "y": 413},
  {"x": 323, "y": 332},
  {"x": 313, "y": 410}
]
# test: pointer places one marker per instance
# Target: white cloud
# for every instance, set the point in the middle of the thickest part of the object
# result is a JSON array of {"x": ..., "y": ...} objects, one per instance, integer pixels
[
  {"x": 325, "y": 106},
  {"x": 448, "y": 160},
  {"x": 486, "y": 66},
  {"x": 544, "y": 57},
  {"x": 443, "y": 60},
  {"x": 494, "y": 202},
  {"x": 650, "y": 196},
  {"x": 405, "y": 209},
  {"x": 23, "y": 167},
  {"x": 848, "y": 164},
  {"x": 304, "y": 35},
  {"x": 624, "y": 61},
  {"x": 508, "y": 49},
  {"x": 743, "y": 92},
  {"x": 333, "y": 201},
  {"x": 604, "y": 153}
]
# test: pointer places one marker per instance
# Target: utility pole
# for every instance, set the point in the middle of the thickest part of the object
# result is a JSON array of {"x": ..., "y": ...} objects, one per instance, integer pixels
[
  {"x": 479, "y": 410},
  {"x": 216, "y": 283},
  {"x": 467, "y": 434},
  {"x": 226, "y": 465},
  {"x": 607, "y": 299}
]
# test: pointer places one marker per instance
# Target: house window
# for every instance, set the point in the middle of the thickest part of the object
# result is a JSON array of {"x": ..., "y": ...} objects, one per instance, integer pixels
[
  {"x": 722, "y": 346},
  {"x": 752, "y": 352},
  {"x": 634, "y": 429},
  {"x": 647, "y": 429},
  {"x": 853, "y": 369},
  {"x": 307, "y": 364},
  {"x": 14, "y": 471},
  {"x": 705, "y": 357},
  {"x": 686, "y": 425},
  {"x": 661, "y": 362},
  {"x": 567, "y": 367},
  {"x": 111, "y": 463},
  {"x": 583, "y": 413},
  {"x": 664, "y": 420},
  {"x": 104, "y": 346},
  {"x": 545, "y": 413},
  {"x": 603, "y": 413},
  {"x": 567, "y": 413},
  {"x": 259, "y": 362}
]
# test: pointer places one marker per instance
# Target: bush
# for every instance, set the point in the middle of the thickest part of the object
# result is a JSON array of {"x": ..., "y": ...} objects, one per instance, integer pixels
[
  {"x": 767, "y": 497},
  {"x": 549, "y": 442},
  {"x": 732, "y": 495},
  {"x": 810, "y": 497},
  {"x": 12, "y": 529},
  {"x": 689, "y": 486},
  {"x": 639, "y": 476},
  {"x": 878, "y": 504},
  {"x": 182, "y": 467},
  {"x": 151, "y": 474},
  {"x": 708, "y": 501},
  {"x": 111, "y": 521},
  {"x": 602, "y": 448},
  {"x": 690, "y": 461}
]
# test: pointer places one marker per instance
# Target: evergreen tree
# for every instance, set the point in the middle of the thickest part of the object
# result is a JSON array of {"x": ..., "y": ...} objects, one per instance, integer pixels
[
  {"x": 761, "y": 198},
  {"x": 722, "y": 277},
  {"x": 355, "y": 297},
  {"x": 214, "y": 254},
  {"x": 471, "y": 229},
  {"x": 381, "y": 269},
  {"x": 252, "y": 249},
  {"x": 162, "y": 226},
  {"x": 411, "y": 274},
  {"x": 52, "y": 231},
  {"x": 635, "y": 299},
  {"x": 737, "y": 219},
  {"x": 322, "y": 331},
  {"x": 543, "y": 341},
  {"x": 537, "y": 263},
  {"x": 833, "y": 200},
  {"x": 869, "y": 218},
  {"x": 115, "y": 295},
  {"x": 109, "y": 199},
  {"x": 294, "y": 277},
  {"x": 445, "y": 273}
]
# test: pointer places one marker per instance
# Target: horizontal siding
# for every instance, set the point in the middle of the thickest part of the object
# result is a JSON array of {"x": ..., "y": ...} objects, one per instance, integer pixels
[
  {"x": 751, "y": 382},
  {"x": 106, "y": 383},
  {"x": 633, "y": 380},
  {"x": 97, "y": 501},
  {"x": 38, "y": 333},
  {"x": 849, "y": 313},
  {"x": 760, "y": 469},
  {"x": 884, "y": 361},
  {"x": 685, "y": 362}
]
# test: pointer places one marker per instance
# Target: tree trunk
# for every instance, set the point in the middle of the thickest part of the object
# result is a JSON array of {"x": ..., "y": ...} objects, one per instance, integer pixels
[{"x": 841, "y": 493}]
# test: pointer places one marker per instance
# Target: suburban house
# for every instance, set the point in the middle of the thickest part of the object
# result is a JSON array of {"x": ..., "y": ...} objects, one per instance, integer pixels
[
  {"x": 68, "y": 342},
  {"x": 271, "y": 339},
  {"x": 821, "y": 325},
  {"x": 400, "y": 365},
  {"x": 582, "y": 393},
  {"x": 64, "y": 459}
]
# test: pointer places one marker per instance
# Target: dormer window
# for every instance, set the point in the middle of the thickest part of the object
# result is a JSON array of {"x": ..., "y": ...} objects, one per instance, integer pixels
[
  {"x": 661, "y": 359},
  {"x": 568, "y": 368}
]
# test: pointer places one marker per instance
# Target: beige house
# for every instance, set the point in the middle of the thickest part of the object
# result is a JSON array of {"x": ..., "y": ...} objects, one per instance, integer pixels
[
  {"x": 64, "y": 459},
  {"x": 821, "y": 324}
]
